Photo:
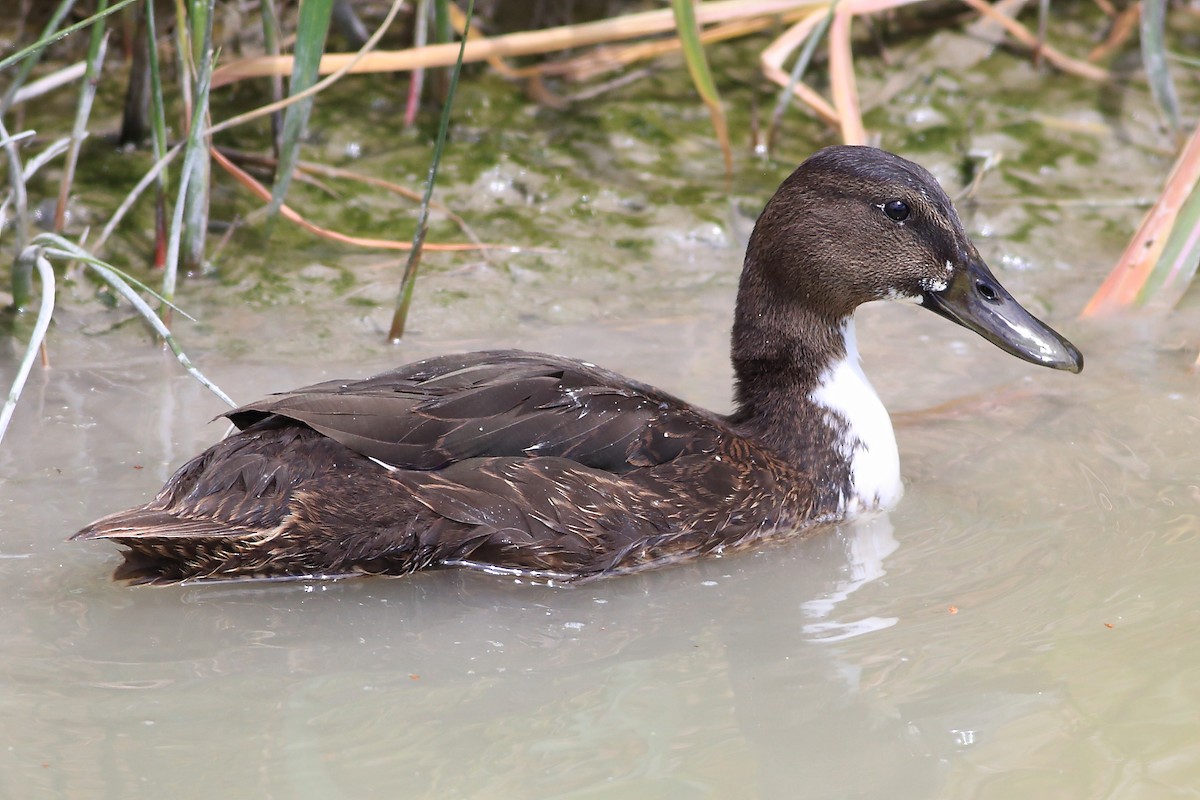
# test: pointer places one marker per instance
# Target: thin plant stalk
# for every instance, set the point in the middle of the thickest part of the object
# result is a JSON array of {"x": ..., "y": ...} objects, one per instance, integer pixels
[
  {"x": 158, "y": 138},
  {"x": 97, "y": 47},
  {"x": 194, "y": 153},
  {"x": 30, "y": 258},
  {"x": 1154, "y": 59},
  {"x": 443, "y": 33},
  {"x": 271, "y": 37},
  {"x": 150, "y": 176},
  {"x": 400, "y": 317},
  {"x": 416, "y": 81},
  {"x": 312, "y": 28}
]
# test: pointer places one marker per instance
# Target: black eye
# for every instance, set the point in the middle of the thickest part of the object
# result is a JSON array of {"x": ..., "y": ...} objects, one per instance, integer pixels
[
  {"x": 987, "y": 291},
  {"x": 896, "y": 209}
]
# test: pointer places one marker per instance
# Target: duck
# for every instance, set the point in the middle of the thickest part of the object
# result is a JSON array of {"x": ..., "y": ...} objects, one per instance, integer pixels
[{"x": 524, "y": 463}]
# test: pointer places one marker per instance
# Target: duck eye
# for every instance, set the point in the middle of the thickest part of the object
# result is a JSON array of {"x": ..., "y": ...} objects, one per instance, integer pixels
[
  {"x": 987, "y": 291},
  {"x": 896, "y": 210}
]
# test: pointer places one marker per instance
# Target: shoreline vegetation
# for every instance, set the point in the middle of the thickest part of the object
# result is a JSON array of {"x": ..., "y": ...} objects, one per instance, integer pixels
[{"x": 183, "y": 66}]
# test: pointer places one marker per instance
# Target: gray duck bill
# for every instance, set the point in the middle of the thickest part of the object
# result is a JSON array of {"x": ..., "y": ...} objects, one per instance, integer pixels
[{"x": 977, "y": 301}]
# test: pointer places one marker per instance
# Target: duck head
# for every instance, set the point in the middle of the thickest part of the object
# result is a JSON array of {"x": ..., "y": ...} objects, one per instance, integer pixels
[{"x": 856, "y": 224}]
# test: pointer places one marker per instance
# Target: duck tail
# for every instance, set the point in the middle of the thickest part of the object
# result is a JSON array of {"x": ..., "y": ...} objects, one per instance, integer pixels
[{"x": 162, "y": 548}]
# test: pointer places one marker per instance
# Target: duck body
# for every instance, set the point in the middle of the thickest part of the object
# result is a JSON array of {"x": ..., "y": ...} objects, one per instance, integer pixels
[
  {"x": 502, "y": 460},
  {"x": 539, "y": 464}
]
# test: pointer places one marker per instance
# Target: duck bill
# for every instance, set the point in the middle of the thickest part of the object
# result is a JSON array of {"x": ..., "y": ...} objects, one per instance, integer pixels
[{"x": 977, "y": 301}]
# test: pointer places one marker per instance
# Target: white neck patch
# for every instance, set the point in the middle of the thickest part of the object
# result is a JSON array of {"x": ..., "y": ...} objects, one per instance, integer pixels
[{"x": 868, "y": 443}]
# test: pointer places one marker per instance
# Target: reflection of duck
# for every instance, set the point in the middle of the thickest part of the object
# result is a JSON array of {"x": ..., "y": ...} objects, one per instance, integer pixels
[{"x": 519, "y": 461}]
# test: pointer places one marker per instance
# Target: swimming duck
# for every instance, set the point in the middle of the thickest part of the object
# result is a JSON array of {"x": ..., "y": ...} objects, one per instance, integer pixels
[{"x": 538, "y": 464}]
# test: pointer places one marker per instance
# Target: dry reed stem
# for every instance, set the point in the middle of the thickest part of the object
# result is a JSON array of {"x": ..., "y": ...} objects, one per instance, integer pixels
[
  {"x": 777, "y": 52},
  {"x": 1120, "y": 289},
  {"x": 630, "y": 26},
  {"x": 1122, "y": 27},
  {"x": 608, "y": 59},
  {"x": 841, "y": 79},
  {"x": 256, "y": 188},
  {"x": 1019, "y": 32},
  {"x": 738, "y": 17}
]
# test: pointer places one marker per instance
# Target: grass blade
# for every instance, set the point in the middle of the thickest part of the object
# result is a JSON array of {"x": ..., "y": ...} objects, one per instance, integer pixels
[
  {"x": 408, "y": 282},
  {"x": 29, "y": 258},
  {"x": 310, "y": 45},
  {"x": 49, "y": 36},
  {"x": 697, "y": 63},
  {"x": 195, "y": 153},
  {"x": 158, "y": 138}
]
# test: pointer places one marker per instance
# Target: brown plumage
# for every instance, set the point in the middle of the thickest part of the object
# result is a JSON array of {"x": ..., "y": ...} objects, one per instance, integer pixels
[{"x": 519, "y": 461}]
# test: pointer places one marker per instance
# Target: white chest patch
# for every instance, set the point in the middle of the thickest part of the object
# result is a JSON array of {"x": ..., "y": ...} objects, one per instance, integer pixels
[{"x": 868, "y": 443}]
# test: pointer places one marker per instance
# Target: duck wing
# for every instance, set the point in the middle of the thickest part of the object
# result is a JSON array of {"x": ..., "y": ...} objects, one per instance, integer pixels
[{"x": 434, "y": 413}]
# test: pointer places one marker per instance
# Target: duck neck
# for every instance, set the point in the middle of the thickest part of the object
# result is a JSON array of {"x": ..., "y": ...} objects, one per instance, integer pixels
[{"x": 801, "y": 391}]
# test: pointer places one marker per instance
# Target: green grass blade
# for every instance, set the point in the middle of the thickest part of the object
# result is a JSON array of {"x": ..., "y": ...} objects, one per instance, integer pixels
[
  {"x": 125, "y": 286},
  {"x": 408, "y": 282},
  {"x": 158, "y": 137},
  {"x": 33, "y": 54},
  {"x": 60, "y": 247},
  {"x": 311, "y": 30},
  {"x": 697, "y": 62},
  {"x": 157, "y": 108},
  {"x": 30, "y": 257},
  {"x": 1154, "y": 59}
]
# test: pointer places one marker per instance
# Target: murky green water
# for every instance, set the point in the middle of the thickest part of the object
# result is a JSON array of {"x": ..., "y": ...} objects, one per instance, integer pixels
[{"x": 1022, "y": 625}]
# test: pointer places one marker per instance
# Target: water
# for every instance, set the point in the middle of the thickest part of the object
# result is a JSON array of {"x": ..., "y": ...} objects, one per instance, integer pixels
[{"x": 1022, "y": 623}]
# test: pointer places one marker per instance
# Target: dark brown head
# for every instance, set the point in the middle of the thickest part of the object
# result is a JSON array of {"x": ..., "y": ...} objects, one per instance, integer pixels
[{"x": 856, "y": 224}]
